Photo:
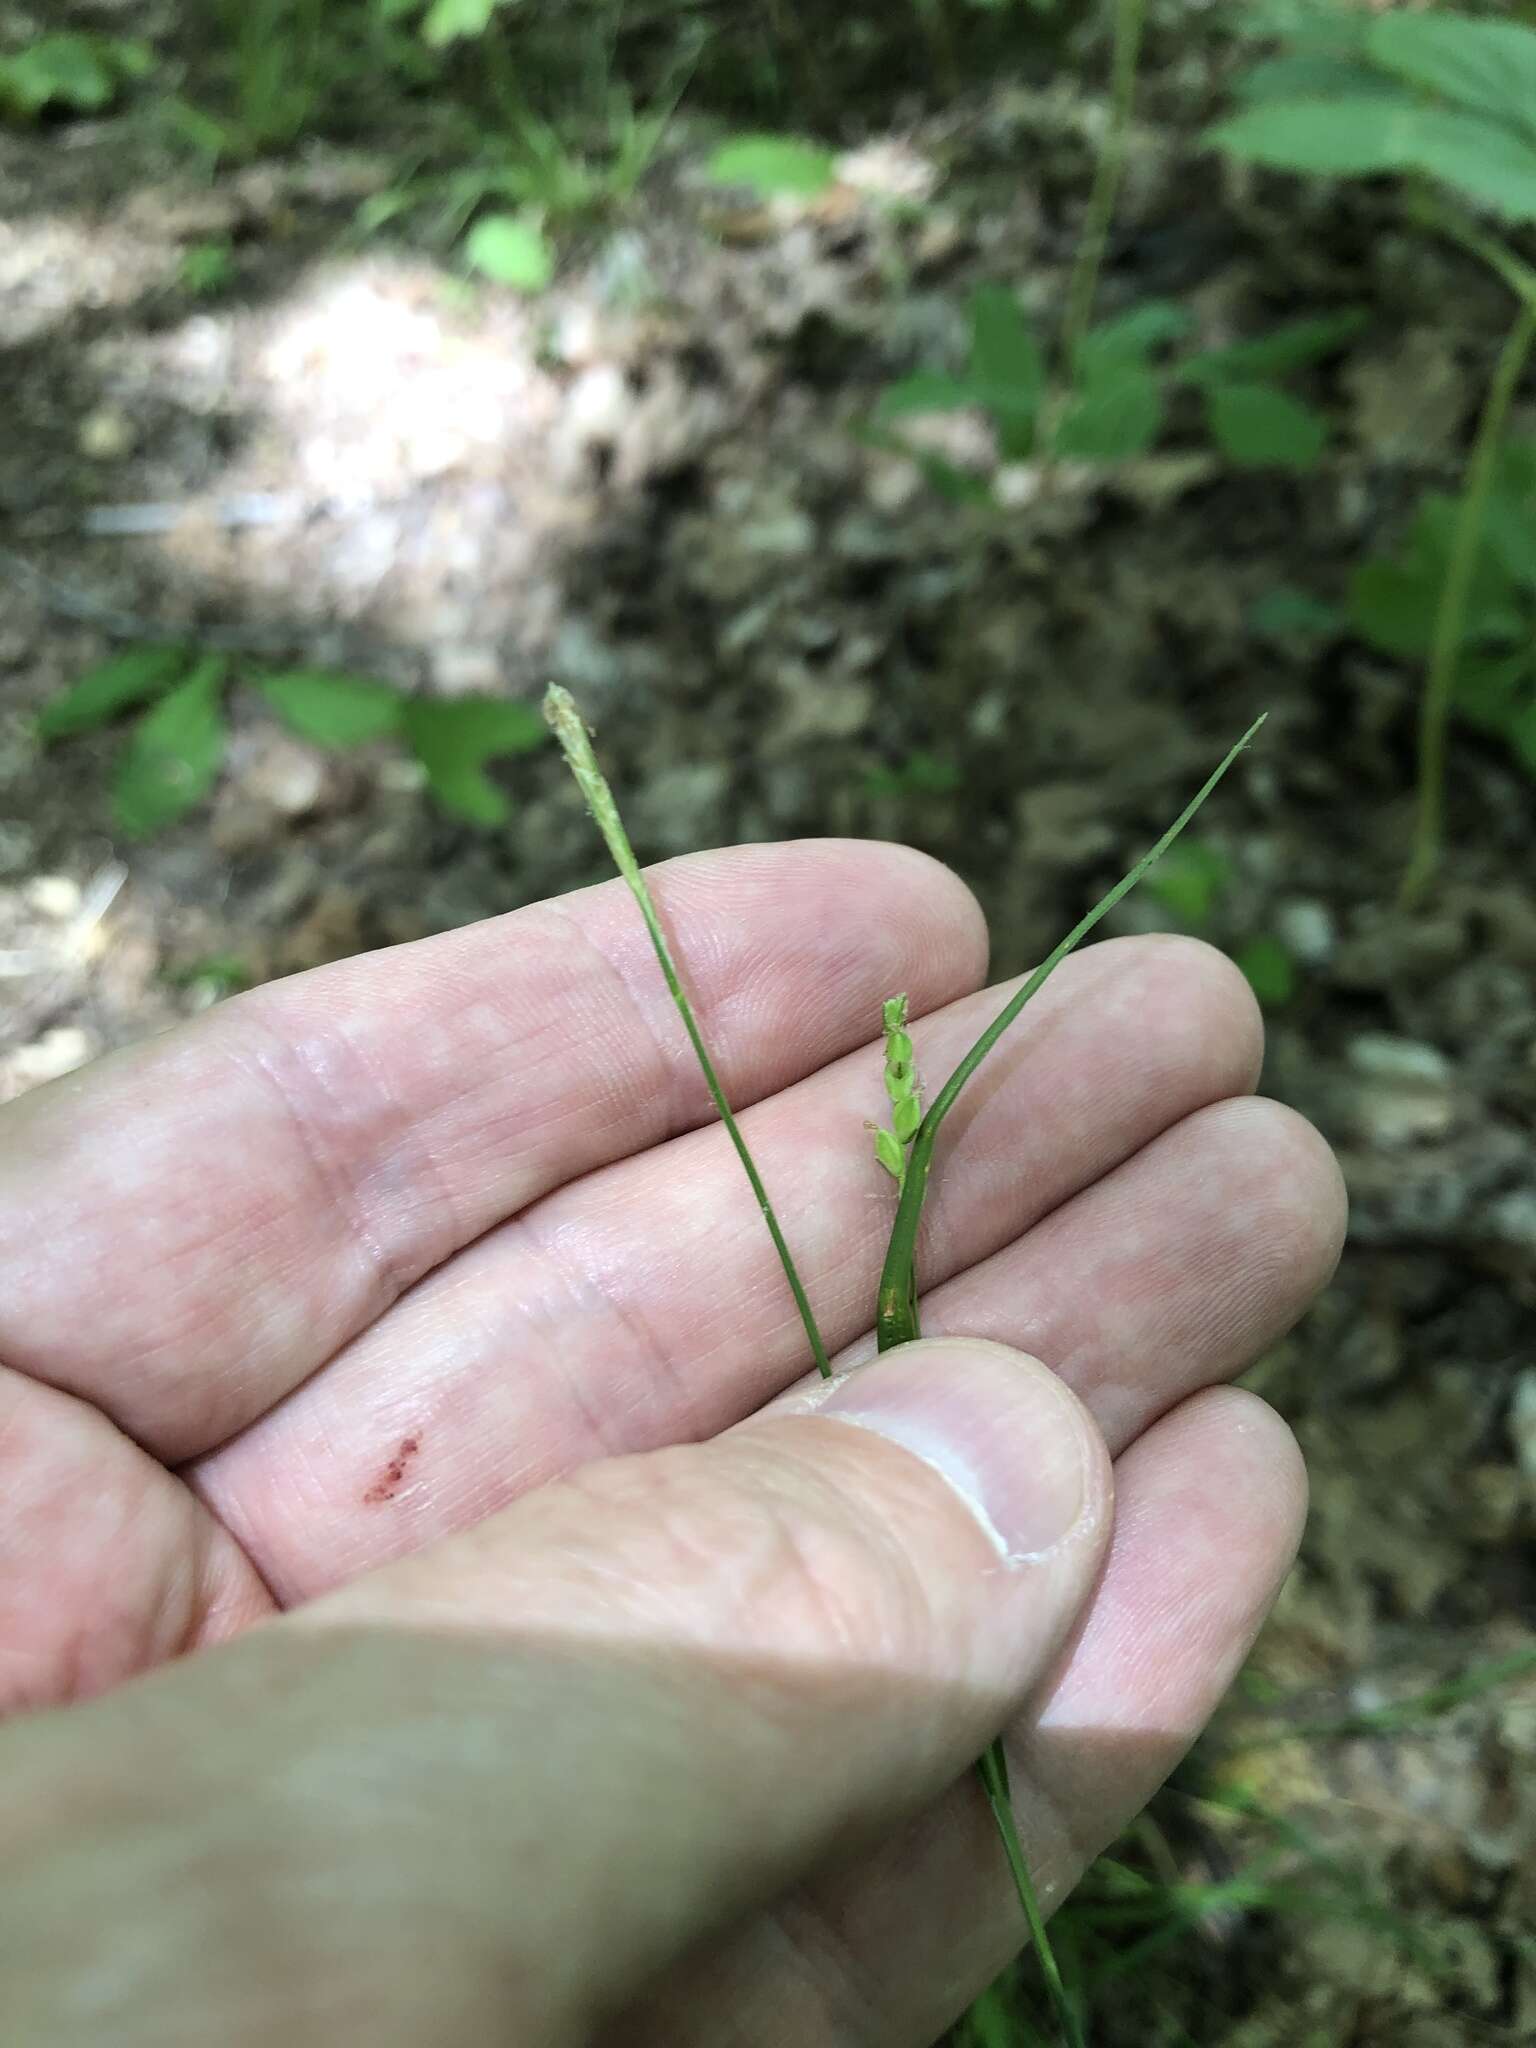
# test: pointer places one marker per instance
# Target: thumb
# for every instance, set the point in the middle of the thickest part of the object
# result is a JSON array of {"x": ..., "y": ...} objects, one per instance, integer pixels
[
  {"x": 487, "y": 1792},
  {"x": 729, "y": 1660}
]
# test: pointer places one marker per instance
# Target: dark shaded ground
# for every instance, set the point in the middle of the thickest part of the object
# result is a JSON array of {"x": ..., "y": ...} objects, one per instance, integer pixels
[{"x": 645, "y": 485}]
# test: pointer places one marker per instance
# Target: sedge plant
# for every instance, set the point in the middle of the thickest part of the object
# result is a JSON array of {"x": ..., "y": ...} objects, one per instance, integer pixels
[{"x": 905, "y": 1150}]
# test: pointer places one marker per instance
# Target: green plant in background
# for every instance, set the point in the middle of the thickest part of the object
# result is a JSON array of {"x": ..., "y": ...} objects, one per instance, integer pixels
[
  {"x": 774, "y": 164},
  {"x": 178, "y": 740},
  {"x": 510, "y": 249},
  {"x": 1448, "y": 103},
  {"x": 1107, "y": 397},
  {"x": 207, "y": 269},
  {"x": 513, "y": 158},
  {"x": 76, "y": 74},
  {"x": 906, "y": 1153},
  {"x": 1269, "y": 969},
  {"x": 1190, "y": 880},
  {"x": 1117, "y": 404},
  {"x": 1396, "y": 603},
  {"x": 920, "y": 774}
]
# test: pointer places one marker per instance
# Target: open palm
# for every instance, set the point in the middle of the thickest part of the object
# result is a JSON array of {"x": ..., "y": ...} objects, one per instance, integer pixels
[{"x": 359, "y": 1259}]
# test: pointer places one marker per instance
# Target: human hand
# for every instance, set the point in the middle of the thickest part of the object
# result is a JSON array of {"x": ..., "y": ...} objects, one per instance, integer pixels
[{"x": 373, "y": 1300}]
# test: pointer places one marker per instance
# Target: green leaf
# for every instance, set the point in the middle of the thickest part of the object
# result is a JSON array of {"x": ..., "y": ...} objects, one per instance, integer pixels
[
  {"x": 773, "y": 164},
  {"x": 1367, "y": 136},
  {"x": 926, "y": 391},
  {"x": 1512, "y": 513},
  {"x": 1188, "y": 880},
  {"x": 1490, "y": 690},
  {"x": 199, "y": 130},
  {"x": 1393, "y": 607},
  {"x": 114, "y": 686},
  {"x": 1291, "y": 347},
  {"x": 1311, "y": 25},
  {"x": 448, "y": 21},
  {"x": 1522, "y": 737},
  {"x": 510, "y": 251},
  {"x": 959, "y": 486},
  {"x": 333, "y": 710},
  {"x": 1288, "y": 615},
  {"x": 1489, "y": 66},
  {"x": 1392, "y": 601},
  {"x": 71, "y": 70},
  {"x": 128, "y": 57},
  {"x": 1335, "y": 137},
  {"x": 1303, "y": 74},
  {"x": 1113, "y": 420},
  {"x": 1270, "y": 970},
  {"x": 920, "y": 774},
  {"x": 174, "y": 754},
  {"x": 1259, "y": 427},
  {"x": 1131, "y": 338},
  {"x": 1007, "y": 369},
  {"x": 453, "y": 738}
]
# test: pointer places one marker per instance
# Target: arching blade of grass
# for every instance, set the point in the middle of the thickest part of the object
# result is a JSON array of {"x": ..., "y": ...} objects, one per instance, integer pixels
[
  {"x": 575, "y": 743},
  {"x": 897, "y": 1323},
  {"x": 896, "y": 1317}
]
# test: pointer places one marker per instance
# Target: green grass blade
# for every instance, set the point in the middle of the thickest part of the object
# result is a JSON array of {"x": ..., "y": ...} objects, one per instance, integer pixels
[
  {"x": 575, "y": 743},
  {"x": 993, "y": 1773},
  {"x": 896, "y": 1321}
]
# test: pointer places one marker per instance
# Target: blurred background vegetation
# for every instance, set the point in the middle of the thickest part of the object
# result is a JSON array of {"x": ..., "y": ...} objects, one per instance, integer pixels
[{"x": 947, "y": 420}]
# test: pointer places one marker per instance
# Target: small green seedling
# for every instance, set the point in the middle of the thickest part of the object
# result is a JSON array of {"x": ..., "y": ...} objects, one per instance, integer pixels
[
  {"x": 1447, "y": 103},
  {"x": 73, "y": 74},
  {"x": 179, "y": 736},
  {"x": 510, "y": 249},
  {"x": 774, "y": 166},
  {"x": 905, "y": 1151},
  {"x": 207, "y": 269},
  {"x": 518, "y": 180}
]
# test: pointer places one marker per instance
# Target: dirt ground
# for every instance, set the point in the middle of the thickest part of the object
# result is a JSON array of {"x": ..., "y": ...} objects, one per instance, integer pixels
[{"x": 647, "y": 486}]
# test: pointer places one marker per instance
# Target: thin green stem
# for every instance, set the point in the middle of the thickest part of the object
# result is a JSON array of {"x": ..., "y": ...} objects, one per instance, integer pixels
[
  {"x": 895, "y": 1318},
  {"x": 1083, "y": 286},
  {"x": 561, "y": 712},
  {"x": 1455, "y": 593},
  {"x": 993, "y": 1773}
]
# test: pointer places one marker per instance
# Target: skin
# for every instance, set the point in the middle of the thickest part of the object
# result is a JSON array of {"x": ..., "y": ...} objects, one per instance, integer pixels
[{"x": 431, "y": 1598}]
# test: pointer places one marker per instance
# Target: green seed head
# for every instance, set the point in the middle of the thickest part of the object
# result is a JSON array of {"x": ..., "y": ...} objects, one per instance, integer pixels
[
  {"x": 890, "y": 1155},
  {"x": 565, "y": 721}
]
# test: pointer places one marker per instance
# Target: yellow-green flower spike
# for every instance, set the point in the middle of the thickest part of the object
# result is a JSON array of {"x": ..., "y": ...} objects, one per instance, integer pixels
[
  {"x": 890, "y": 1153},
  {"x": 901, "y": 1087}
]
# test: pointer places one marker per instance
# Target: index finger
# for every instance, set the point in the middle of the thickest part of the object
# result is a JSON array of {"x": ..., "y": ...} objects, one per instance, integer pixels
[{"x": 193, "y": 1226}]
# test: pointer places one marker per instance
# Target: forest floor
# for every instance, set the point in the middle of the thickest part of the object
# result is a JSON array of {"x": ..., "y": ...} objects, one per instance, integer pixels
[{"x": 649, "y": 484}]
